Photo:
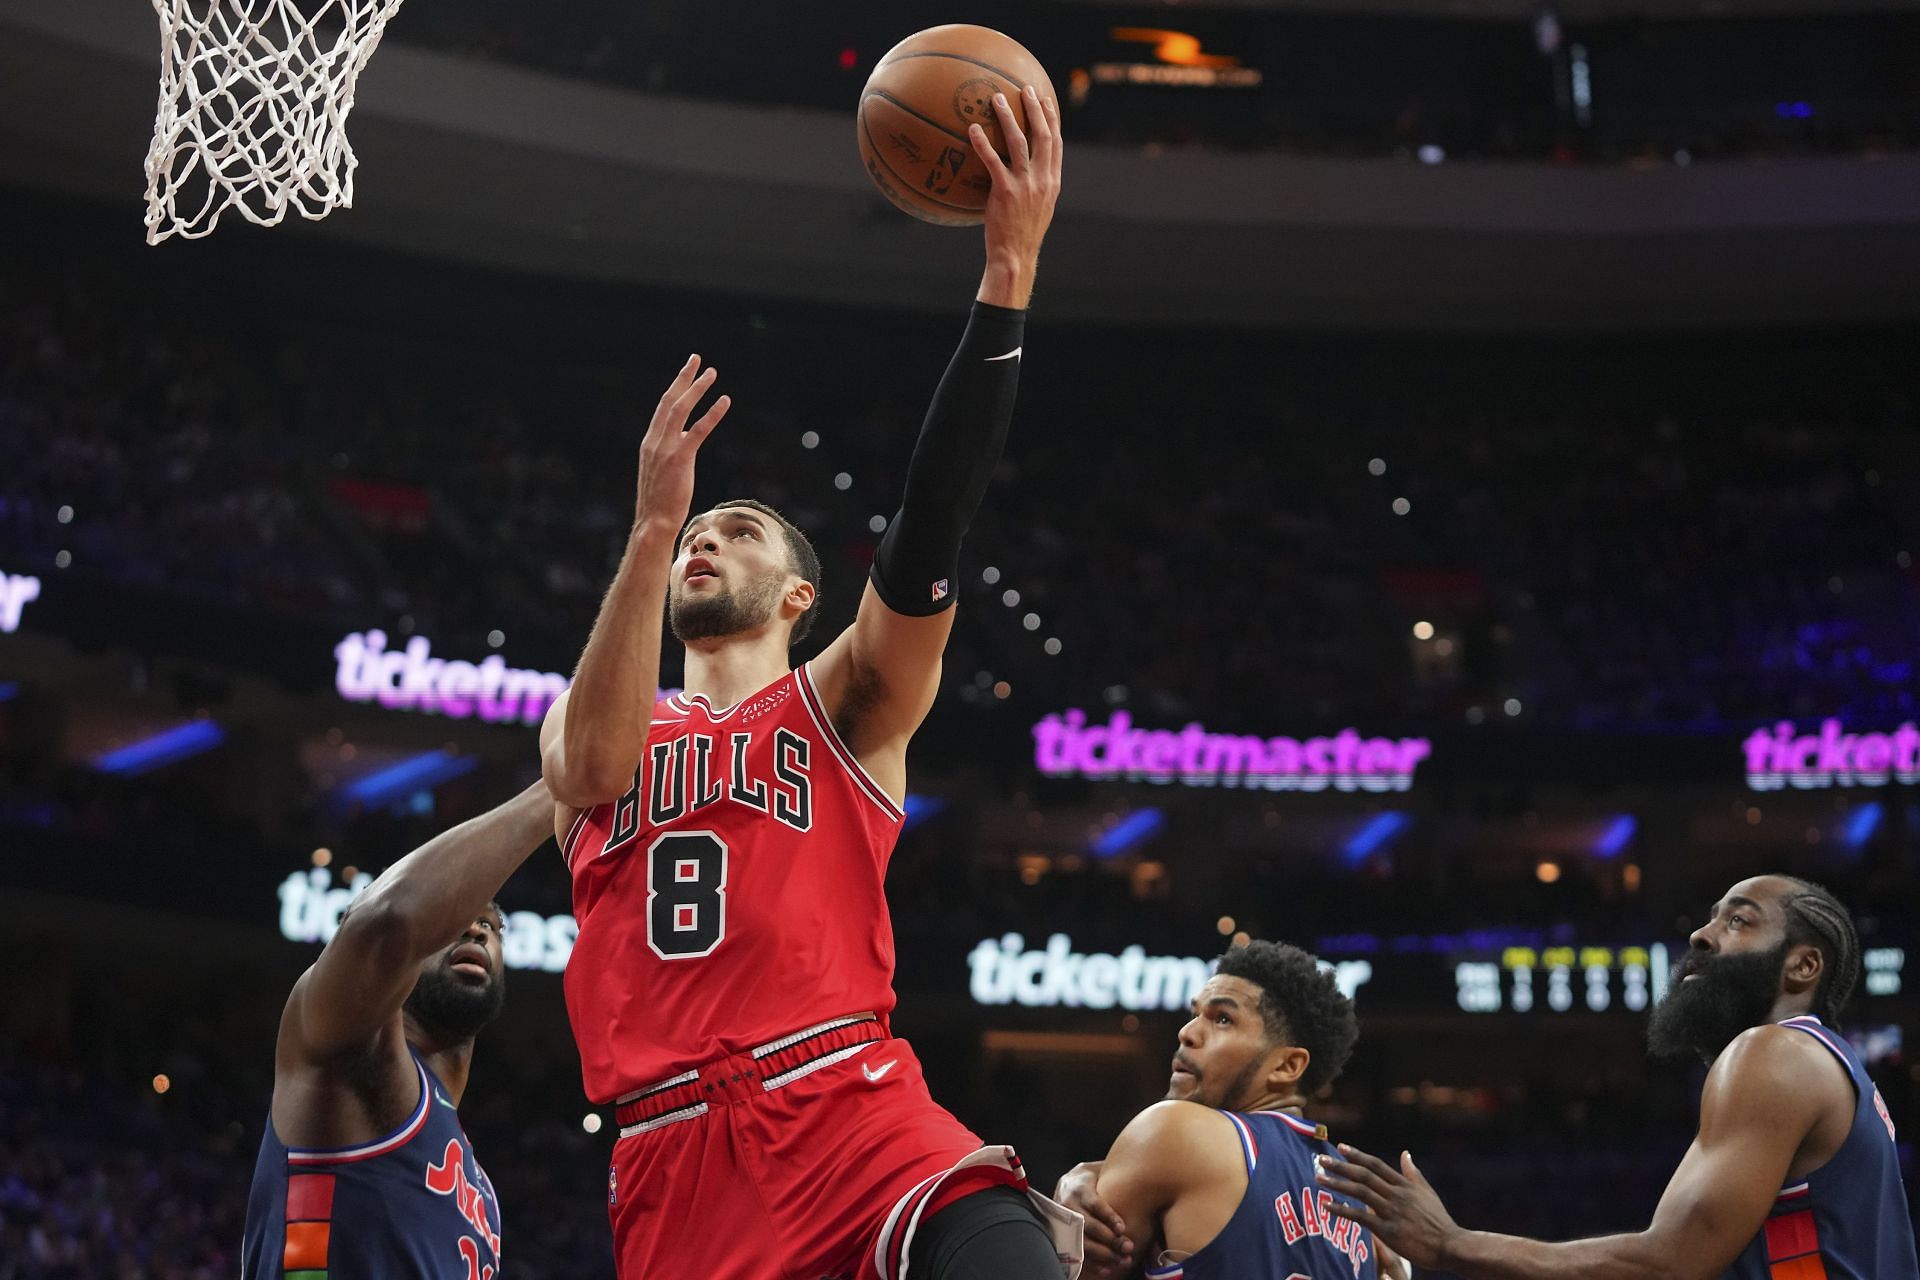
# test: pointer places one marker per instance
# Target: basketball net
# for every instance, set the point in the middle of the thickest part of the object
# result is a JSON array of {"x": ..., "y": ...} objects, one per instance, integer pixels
[{"x": 254, "y": 99}]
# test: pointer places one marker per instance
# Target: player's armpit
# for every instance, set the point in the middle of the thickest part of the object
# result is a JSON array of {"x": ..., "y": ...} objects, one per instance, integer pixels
[
  {"x": 1765, "y": 1094},
  {"x": 878, "y": 680},
  {"x": 1169, "y": 1150},
  {"x": 1763, "y": 1097}
]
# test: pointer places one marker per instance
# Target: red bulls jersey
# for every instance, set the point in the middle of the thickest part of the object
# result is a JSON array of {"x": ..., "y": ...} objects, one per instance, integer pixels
[{"x": 732, "y": 895}]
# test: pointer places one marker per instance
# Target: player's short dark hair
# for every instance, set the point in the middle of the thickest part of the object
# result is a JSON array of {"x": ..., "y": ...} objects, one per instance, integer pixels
[
  {"x": 1300, "y": 1004},
  {"x": 1816, "y": 917},
  {"x": 801, "y": 558}
]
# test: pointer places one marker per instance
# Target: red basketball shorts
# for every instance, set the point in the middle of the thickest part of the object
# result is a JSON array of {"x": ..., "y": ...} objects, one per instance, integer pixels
[{"x": 810, "y": 1158}]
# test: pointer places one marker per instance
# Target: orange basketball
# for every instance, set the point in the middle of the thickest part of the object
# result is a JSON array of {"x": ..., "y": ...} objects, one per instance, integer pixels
[{"x": 915, "y": 111}]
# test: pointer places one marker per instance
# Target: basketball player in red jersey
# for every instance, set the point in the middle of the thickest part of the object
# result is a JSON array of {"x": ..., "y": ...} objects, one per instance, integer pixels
[{"x": 731, "y": 984}]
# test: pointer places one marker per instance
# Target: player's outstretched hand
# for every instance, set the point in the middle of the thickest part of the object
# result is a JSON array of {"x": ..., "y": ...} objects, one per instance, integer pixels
[
  {"x": 1398, "y": 1205},
  {"x": 1109, "y": 1248},
  {"x": 665, "y": 488},
  {"x": 1027, "y": 184}
]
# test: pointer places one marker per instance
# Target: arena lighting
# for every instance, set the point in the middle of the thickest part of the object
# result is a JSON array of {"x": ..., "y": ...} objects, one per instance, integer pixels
[
  {"x": 416, "y": 773},
  {"x": 1616, "y": 836},
  {"x": 1883, "y": 967},
  {"x": 1178, "y": 62},
  {"x": 162, "y": 749},
  {"x": 1375, "y": 832},
  {"x": 919, "y": 808},
  {"x": 17, "y": 591},
  {"x": 1140, "y": 825},
  {"x": 1861, "y": 824},
  {"x": 1175, "y": 48}
]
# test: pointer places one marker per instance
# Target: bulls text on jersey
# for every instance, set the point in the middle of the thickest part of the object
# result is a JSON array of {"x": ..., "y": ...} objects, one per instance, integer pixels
[{"x": 696, "y": 771}]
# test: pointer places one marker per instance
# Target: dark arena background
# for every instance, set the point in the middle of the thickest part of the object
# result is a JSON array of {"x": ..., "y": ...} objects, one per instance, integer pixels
[{"x": 1521, "y": 397}]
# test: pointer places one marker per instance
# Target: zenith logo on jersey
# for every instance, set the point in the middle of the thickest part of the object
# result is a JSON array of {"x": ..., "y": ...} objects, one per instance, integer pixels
[
  {"x": 449, "y": 1178},
  {"x": 698, "y": 770},
  {"x": 1315, "y": 1217}
]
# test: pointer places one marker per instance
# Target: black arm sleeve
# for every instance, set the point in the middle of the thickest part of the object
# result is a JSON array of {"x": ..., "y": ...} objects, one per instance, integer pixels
[{"x": 960, "y": 443}]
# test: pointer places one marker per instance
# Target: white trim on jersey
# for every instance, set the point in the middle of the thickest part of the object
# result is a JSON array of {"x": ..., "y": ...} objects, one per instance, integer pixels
[
  {"x": 716, "y": 715},
  {"x": 379, "y": 1146},
  {"x": 573, "y": 836},
  {"x": 808, "y": 1068},
  {"x": 658, "y": 1086},
  {"x": 1812, "y": 1025},
  {"x": 817, "y": 709},
  {"x": 831, "y": 1024},
  {"x": 1248, "y": 1149},
  {"x": 1295, "y": 1123},
  {"x": 663, "y": 1120}
]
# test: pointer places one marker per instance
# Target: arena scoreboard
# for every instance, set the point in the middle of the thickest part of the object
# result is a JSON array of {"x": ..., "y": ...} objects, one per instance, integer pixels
[{"x": 1563, "y": 979}]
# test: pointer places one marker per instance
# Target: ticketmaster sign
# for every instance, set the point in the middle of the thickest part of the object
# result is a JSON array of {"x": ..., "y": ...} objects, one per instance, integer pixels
[
  {"x": 1065, "y": 745},
  {"x": 311, "y": 905},
  {"x": 1005, "y": 972}
]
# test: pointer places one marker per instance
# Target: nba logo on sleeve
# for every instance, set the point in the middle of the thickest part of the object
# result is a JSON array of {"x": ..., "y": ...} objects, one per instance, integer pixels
[
  {"x": 940, "y": 590},
  {"x": 613, "y": 1185}
]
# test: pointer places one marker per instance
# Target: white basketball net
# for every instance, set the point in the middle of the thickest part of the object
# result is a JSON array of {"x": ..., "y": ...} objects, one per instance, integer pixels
[{"x": 254, "y": 98}]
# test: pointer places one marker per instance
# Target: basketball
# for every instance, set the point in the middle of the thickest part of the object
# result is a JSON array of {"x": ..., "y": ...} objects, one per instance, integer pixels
[{"x": 915, "y": 110}]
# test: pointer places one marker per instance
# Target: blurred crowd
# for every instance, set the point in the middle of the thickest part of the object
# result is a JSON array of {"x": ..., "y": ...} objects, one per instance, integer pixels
[
  {"x": 1694, "y": 533},
  {"x": 104, "y": 1176}
]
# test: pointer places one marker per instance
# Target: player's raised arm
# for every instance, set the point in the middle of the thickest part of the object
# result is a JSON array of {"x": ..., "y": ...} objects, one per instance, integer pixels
[
  {"x": 420, "y": 904},
  {"x": 879, "y": 678},
  {"x": 1763, "y": 1098},
  {"x": 596, "y": 732}
]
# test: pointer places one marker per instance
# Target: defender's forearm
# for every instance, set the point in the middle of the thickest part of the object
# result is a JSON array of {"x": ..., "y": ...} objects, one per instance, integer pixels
[{"x": 433, "y": 893}]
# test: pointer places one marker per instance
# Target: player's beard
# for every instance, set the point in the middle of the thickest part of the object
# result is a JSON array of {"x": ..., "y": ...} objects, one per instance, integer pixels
[
  {"x": 450, "y": 1006},
  {"x": 1236, "y": 1088},
  {"x": 1731, "y": 993},
  {"x": 725, "y": 612}
]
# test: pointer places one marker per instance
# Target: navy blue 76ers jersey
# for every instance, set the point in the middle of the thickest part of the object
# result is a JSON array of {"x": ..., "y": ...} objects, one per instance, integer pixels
[
  {"x": 414, "y": 1205},
  {"x": 1847, "y": 1220},
  {"x": 1283, "y": 1229}
]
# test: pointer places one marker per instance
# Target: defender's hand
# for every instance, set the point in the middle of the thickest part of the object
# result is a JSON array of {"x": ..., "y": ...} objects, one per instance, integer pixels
[
  {"x": 665, "y": 488},
  {"x": 1109, "y": 1248},
  {"x": 1397, "y": 1205},
  {"x": 1025, "y": 188}
]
